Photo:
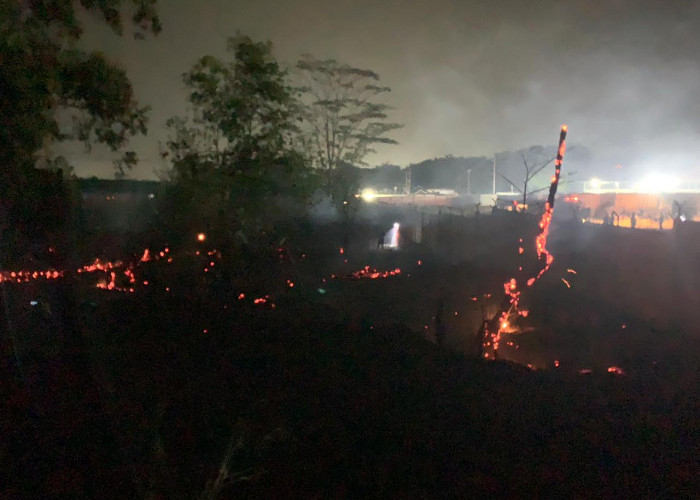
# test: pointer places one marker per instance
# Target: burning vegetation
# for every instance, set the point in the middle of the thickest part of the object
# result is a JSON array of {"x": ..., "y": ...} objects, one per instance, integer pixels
[
  {"x": 493, "y": 329},
  {"x": 309, "y": 346},
  {"x": 235, "y": 345}
]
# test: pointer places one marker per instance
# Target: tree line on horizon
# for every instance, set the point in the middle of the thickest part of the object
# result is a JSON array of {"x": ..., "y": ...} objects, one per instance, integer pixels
[{"x": 473, "y": 174}]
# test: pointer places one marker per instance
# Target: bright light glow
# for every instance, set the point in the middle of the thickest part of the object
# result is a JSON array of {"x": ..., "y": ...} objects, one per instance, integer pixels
[
  {"x": 595, "y": 183},
  {"x": 201, "y": 237},
  {"x": 658, "y": 183},
  {"x": 391, "y": 238},
  {"x": 368, "y": 194}
]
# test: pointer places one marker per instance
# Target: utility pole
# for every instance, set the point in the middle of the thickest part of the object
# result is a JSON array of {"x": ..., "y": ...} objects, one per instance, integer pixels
[
  {"x": 494, "y": 173},
  {"x": 469, "y": 184},
  {"x": 407, "y": 188}
]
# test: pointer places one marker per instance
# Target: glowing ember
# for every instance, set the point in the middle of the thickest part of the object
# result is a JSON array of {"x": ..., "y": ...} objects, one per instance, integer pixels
[
  {"x": 370, "y": 273},
  {"x": 263, "y": 300},
  {"x": 616, "y": 370},
  {"x": 97, "y": 266},
  {"x": 201, "y": 237},
  {"x": 492, "y": 331},
  {"x": 27, "y": 276}
]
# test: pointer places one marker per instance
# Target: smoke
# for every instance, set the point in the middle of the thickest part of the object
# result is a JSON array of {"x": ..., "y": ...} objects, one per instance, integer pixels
[{"x": 467, "y": 78}]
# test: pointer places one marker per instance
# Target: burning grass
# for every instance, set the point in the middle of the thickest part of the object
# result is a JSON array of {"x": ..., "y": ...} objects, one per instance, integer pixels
[{"x": 193, "y": 363}]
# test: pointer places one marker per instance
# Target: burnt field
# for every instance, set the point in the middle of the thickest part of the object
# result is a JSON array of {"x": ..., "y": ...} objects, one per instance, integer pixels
[{"x": 314, "y": 371}]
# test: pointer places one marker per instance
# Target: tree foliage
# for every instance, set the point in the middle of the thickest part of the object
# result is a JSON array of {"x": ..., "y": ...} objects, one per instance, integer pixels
[
  {"x": 51, "y": 90},
  {"x": 344, "y": 115},
  {"x": 346, "y": 181},
  {"x": 48, "y": 81},
  {"x": 236, "y": 159}
]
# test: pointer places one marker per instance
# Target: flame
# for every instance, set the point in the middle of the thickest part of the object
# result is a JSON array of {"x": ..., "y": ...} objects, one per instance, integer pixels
[
  {"x": 543, "y": 255},
  {"x": 27, "y": 276},
  {"x": 371, "y": 273}
]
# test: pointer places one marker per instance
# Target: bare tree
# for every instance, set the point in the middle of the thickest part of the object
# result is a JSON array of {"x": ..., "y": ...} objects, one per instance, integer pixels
[{"x": 532, "y": 168}]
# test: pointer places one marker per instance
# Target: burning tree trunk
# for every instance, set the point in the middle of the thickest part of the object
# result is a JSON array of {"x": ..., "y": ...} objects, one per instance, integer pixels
[{"x": 491, "y": 329}]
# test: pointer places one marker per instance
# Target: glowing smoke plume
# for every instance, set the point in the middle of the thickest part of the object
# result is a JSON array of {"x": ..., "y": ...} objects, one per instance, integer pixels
[{"x": 391, "y": 238}]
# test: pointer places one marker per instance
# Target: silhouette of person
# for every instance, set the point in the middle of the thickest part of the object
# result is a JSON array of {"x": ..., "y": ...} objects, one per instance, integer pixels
[
  {"x": 614, "y": 218},
  {"x": 633, "y": 220},
  {"x": 661, "y": 221},
  {"x": 606, "y": 219}
]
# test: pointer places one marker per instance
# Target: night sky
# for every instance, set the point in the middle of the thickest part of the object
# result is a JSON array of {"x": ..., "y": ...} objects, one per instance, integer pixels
[{"x": 467, "y": 77}]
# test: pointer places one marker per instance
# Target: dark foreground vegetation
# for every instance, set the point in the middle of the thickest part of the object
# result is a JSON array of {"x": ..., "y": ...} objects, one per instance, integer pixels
[
  {"x": 258, "y": 363},
  {"x": 193, "y": 391}
]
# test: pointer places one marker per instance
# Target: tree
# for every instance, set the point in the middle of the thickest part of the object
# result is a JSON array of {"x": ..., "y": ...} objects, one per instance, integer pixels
[
  {"x": 47, "y": 80},
  {"x": 345, "y": 186},
  {"x": 49, "y": 83},
  {"x": 535, "y": 160},
  {"x": 536, "y": 163},
  {"x": 236, "y": 159},
  {"x": 343, "y": 116}
]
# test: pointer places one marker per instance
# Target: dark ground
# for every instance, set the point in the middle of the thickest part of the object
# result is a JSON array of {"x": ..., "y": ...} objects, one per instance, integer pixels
[{"x": 343, "y": 394}]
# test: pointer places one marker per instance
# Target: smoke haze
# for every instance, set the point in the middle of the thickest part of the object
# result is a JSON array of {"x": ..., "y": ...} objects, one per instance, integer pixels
[{"x": 467, "y": 78}]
